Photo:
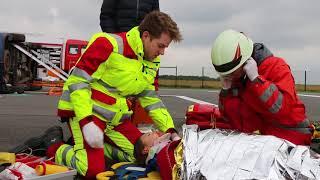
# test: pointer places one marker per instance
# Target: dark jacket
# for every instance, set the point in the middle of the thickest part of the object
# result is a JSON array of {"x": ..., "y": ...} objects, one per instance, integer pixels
[{"x": 122, "y": 15}]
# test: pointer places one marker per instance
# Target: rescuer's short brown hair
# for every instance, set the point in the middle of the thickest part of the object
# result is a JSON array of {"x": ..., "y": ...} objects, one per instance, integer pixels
[{"x": 157, "y": 22}]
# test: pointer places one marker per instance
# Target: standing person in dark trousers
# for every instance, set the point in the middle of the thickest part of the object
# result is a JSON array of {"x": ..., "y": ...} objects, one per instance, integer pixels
[{"x": 122, "y": 15}]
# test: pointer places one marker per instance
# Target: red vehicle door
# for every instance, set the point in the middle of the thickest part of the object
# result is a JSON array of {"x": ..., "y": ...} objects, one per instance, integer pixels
[{"x": 73, "y": 51}]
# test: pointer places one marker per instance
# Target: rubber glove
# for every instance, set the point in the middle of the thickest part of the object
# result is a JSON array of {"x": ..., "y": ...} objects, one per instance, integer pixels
[
  {"x": 93, "y": 135},
  {"x": 251, "y": 69}
]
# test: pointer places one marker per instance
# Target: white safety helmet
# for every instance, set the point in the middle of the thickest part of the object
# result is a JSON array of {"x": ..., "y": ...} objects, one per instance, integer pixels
[{"x": 230, "y": 50}]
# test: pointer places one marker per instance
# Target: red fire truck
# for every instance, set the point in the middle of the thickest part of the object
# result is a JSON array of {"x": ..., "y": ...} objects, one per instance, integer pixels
[{"x": 22, "y": 62}]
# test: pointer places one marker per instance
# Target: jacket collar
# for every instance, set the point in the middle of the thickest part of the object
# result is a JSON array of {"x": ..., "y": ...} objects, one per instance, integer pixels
[
  {"x": 260, "y": 53},
  {"x": 135, "y": 42}
]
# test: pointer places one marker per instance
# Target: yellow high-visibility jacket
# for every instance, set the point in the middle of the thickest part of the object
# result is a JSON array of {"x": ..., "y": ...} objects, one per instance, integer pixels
[{"x": 111, "y": 69}]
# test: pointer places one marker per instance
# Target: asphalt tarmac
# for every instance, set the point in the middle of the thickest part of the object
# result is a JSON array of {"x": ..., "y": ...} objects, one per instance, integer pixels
[{"x": 27, "y": 115}]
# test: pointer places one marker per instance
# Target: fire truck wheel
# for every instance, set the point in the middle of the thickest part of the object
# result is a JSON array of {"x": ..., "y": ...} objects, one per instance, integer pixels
[{"x": 20, "y": 90}]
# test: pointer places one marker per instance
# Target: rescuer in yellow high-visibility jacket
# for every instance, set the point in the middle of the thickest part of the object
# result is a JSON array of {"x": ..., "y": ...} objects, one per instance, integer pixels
[{"x": 113, "y": 68}]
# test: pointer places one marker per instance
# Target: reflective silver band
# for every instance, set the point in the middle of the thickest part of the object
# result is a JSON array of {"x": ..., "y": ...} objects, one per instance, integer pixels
[
  {"x": 268, "y": 92},
  {"x": 125, "y": 116},
  {"x": 115, "y": 153},
  {"x": 109, "y": 88},
  {"x": 277, "y": 105},
  {"x": 126, "y": 157},
  {"x": 302, "y": 127},
  {"x": 64, "y": 155},
  {"x": 119, "y": 42},
  {"x": 81, "y": 73},
  {"x": 148, "y": 93},
  {"x": 305, "y": 123},
  {"x": 73, "y": 162},
  {"x": 78, "y": 86},
  {"x": 65, "y": 96},
  {"x": 235, "y": 92},
  {"x": 103, "y": 112},
  {"x": 155, "y": 106}
]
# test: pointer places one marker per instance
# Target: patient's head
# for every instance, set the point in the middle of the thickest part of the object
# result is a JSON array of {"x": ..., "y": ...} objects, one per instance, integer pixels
[{"x": 143, "y": 145}]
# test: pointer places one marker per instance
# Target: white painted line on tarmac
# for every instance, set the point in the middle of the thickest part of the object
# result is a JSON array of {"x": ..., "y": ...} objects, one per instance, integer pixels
[
  {"x": 189, "y": 99},
  {"x": 305, "y": 95},
  {"x": 309, "y": 95},
  {"x": 214, "y": 91}
]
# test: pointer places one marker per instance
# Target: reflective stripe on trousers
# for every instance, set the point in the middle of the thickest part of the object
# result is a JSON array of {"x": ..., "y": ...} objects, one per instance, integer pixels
[{"x": 116, "y": 154}]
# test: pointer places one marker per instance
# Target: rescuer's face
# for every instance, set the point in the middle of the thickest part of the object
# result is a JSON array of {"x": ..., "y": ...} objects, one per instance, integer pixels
[
  {"x": 153, "y": 47},
  {"x": 236, "y": 76}
]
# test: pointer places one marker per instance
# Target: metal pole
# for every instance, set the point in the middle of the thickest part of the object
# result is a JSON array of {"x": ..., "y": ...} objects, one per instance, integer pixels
[
  {"x": 305, "y": 80},
  {"x": 202, "y": 79},
  {"x": 176, "y": 76}
]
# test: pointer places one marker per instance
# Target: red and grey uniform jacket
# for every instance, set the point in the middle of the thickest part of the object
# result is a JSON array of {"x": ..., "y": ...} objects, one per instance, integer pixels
[{"x": 269, "y": 104}]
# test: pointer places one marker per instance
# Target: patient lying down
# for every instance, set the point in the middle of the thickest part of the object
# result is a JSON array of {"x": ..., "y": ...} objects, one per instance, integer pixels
[
  {"x": 157, "y": 149},
  {"x": 232, "y": 155}
]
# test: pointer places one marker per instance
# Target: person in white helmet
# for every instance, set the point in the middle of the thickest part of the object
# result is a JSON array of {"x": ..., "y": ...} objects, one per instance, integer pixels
[{"x": 258, "y": 89}]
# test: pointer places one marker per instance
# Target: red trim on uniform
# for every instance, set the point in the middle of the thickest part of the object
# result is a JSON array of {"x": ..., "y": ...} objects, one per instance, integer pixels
[
  {"x": 65, "y": 113},
  {"x": 99, "y": 96},
  {"x": 52, "y": 149},
  {"x": 97, "y": 53},
  {"x": 101, "y": 124},
  {"x": 129, "y": 130},
  {"x": 96, "y": 161},
  {"x": 127, "y": 50},
  {"x": 166, "y": 160},
  {"x": 85, "y": 121}
]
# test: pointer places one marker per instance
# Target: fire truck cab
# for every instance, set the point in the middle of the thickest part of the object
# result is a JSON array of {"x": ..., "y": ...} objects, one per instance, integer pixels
[
  {"x": 22, "y": 62},
  {"x": 73, "y": 50}
]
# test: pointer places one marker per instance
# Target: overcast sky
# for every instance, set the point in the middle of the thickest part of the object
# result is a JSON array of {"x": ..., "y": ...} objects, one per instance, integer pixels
[{"x": 290, "y": 28}]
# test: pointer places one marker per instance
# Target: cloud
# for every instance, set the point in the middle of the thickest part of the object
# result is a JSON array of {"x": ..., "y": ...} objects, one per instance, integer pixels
[{"x": 289, "y": 27}]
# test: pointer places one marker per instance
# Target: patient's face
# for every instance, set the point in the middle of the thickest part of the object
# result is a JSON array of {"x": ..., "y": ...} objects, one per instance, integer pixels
[{"x": 149, "y": 139}]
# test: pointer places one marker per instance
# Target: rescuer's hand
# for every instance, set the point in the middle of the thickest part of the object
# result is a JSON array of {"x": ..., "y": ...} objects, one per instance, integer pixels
[
  {"x": 93, "y": 135},
  {"x": 226, "y": 82},
  {"x": 251, "y": 69},
  {"x": 175, "y": 137}
]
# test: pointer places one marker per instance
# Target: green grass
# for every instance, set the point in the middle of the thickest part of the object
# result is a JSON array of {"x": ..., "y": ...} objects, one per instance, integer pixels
[{"x": 211, "y": 84}]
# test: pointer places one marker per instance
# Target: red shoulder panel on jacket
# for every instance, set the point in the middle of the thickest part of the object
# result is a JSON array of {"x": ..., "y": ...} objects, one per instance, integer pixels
[{"x": 97, "y": 53}]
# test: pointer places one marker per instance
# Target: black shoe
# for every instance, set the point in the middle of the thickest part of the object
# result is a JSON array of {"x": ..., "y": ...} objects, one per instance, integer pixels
[
  {"x": 39, "y": 145},
  {"x": 315, "y": 145}
]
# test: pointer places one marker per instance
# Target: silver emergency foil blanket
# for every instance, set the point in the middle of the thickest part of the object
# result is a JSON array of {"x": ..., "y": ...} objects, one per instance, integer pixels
[{"x": 219, "y": 154}]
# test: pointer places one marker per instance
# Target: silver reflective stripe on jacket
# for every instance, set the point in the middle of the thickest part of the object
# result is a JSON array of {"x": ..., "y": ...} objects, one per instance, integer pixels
[
  {"x": 119, "y": 42},
  {"x": 277, "y": 104},
  {"x": 65, "y": 96},
  {"x": 105, "y": 85},
  {"x": 125, "y": 117},
  {"x": 303, "y": 127},
  {"x": 155, "y": 106},
  {"x": 73, "y": 158},
  {"x": 78, "y": 86},
  {"x": 103, "y": 112},
  {"x": 148, "y": 93},
  {"x": 81, "y": 73},
  {"x": 268, "y": 92}
]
